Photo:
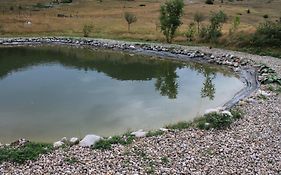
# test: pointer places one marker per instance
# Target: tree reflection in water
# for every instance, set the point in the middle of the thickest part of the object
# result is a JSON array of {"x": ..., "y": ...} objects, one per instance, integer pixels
[{"x": 167, "y": 82}]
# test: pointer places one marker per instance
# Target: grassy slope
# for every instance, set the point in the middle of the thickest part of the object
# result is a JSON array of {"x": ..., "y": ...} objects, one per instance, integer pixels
[{"x": 107, "y": 17}]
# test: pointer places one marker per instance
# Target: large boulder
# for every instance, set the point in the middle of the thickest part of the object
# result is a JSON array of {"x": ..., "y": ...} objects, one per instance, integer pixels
[{"x": 89, "y": 140}]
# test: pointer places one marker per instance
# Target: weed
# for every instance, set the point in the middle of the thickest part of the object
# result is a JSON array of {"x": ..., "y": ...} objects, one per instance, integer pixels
[
  {"x": 154, "y": 133},
  {"x": 214, "y": 120},
  {"x": 71, "y": 160},
  {"x": 105, "y": 144},
  {"x": 179, "y": 125},
  {"x": 164, "y": 160},
  {"x": 30, "y": 151}
]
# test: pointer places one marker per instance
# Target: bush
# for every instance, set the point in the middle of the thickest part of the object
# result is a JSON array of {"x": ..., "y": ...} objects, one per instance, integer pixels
[
  {"x": 87, "y": 29},
  {"x": 30, "y": 151},
  {"x": 265, "y": 16},
  {"x": 268, "y": 34},
  {"x": 213, "y": 31},
  {"x": 190, "y": 32},
  {"x": 214, "y": 120},
  {"x": 179, "y": 125},
  {"x": 209, "y": 1},
  {"x": 66, "y": 1}
]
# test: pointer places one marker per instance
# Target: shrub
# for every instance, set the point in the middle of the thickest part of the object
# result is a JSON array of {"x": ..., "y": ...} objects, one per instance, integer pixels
[
  {"x": 214, "y": 120},
  {"x": 130, "y": 18},
  {"x": 190, "y": 32},
  {"x": 66, "y": 1},
  {"x": 170, "y": 18},
  {"x": 265, "y": 16},
  {"x": 87, "y": 29},
  {"x": 268, "y": 34},
  {"x": 198, "y": 18},
  {"x": 235, "y": 25},
  {"x": 209, "y": 2},
  {"x": 30, "y": 151},
  {"x": 154, "y": 133},
  {"x": 213, "y": 31}
]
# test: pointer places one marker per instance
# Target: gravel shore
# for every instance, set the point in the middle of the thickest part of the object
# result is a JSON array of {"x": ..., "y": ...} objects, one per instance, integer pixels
[{"x": 252, "y": 145}]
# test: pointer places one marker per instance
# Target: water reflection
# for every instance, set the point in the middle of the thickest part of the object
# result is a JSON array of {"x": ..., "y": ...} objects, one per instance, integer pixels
[
  {"x": 117, "y": 66},
  {"x": 50, "y": 92}
]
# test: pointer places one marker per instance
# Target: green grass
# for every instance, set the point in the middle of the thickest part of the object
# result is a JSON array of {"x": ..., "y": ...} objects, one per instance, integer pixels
[
  {"x": 106, "y": 144},
  {"x": 30, "y": 151},
  {"x": 214, "y": 120},
  {"x": 180, "y": 125},
  {"x": 154, "y": 133},
  {"x": 71, "y": 160}
]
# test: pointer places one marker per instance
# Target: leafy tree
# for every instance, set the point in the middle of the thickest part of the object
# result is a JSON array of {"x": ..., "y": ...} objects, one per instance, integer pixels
[
  {"x": 198, "y": 18},
  {"x": 130, "y": 18},
  {"x": 213, "y": 31},
  {"x": 87, "y": 29},
  {"x": 170, "y": 18}
]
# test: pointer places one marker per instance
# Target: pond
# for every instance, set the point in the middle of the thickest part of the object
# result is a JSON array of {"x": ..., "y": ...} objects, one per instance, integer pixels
[{"x": 49, "y": 92}]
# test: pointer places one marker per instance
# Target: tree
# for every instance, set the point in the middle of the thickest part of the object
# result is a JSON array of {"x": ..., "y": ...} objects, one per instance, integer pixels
[
  {"x": 217, "y": 19},
  {"x": 130, "y": 18},
  {"x": 198, "y": 18},
  {"x": 170, "y": 18}
]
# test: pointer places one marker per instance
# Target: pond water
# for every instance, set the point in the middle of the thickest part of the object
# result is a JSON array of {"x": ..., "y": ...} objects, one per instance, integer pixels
[{"x": 50, "y": 92}]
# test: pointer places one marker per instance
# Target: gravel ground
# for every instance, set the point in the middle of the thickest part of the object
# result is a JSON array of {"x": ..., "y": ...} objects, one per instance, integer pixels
[{"x": 251, "y": 145}]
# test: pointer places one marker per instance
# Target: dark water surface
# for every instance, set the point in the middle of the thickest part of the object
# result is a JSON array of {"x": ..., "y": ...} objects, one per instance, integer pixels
[{"x": 50, "y": 92}]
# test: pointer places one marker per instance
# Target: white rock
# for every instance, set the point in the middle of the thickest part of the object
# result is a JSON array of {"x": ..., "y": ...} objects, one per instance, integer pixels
[
  {"x": 89, "y": 140},
  {"x": 73, "y": 140},
  {"x": 261, "y": 92},
  {"x": 163, "y": 129},
  {"x": 139, "y": 133},
  {"x": 64, "y": 139},
  {"x": 217, "y": 110},
  {"x": 227, "y": 113},
  {"x": 132, "y": 47},
  {"x": 58, "y": 144}
]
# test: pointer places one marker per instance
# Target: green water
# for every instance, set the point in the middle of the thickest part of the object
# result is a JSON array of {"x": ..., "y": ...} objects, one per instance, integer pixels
[{"x": 47, "y": 93}]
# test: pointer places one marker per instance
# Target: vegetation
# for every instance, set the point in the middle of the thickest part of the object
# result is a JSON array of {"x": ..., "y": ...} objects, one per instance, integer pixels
[
  {"x": 105, "y": 144},
  {"x": 190, "y": 33},
  {"x": 198, "y": 18},
  {"x": 235, "y": 25},
  {"x": 209, "y": 2},
  {"x": 29, "y": 151},
  {"x": 170, "y": 18},
  {"x": 179, "y": 125},
  {"x": 154, "y": 133},
  {"x": 268, "y": 34},
  {"x": 87, "y": 29},
  {"x": 214, "y": 120},
  {"x": 130, "y": 18}
]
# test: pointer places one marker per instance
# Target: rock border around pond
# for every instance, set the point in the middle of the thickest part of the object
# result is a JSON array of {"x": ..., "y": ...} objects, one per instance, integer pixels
[{"x": 249, "y": 146}]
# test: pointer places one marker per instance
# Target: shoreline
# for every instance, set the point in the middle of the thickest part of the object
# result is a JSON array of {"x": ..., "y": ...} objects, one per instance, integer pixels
[{"x": 250, "y": 145}]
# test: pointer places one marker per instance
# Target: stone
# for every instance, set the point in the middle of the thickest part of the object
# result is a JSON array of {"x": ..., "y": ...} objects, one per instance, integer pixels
[
  {"x": 89, "y": 140},
  {"x": 227, "y": 113},
  {"x": 58, "y": 144},
  {"x": 217, "y": 110},
  {"x": 261, "y": 92},
  {"x": 139, "y": 133},
  {"x": 74, "y": 140},
  {"x": 64, "y": 140},
  {"x": 163, "y": 129}
]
